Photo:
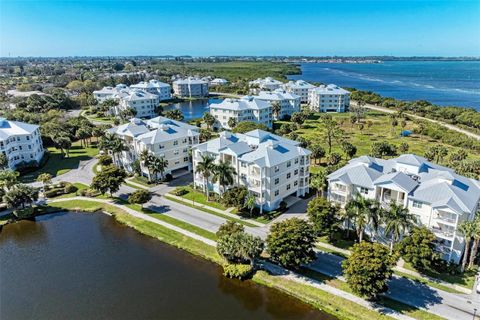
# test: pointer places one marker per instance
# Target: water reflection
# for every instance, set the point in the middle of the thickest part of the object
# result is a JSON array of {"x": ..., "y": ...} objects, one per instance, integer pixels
[{"x": 193, "y": 109}]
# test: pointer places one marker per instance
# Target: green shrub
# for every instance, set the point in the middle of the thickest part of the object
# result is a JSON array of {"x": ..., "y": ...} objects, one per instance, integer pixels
[
  {"x": 235, "y": 197},
  {"x": 69, "y": 188},
  {"x": 89, "y": 193},
  {"x": 105, "y": 160},
  {"x": 53, "y": 192},
  {"x": 180, "y": 191},
  {"x": 140, "y": 197},
  {"x": 238, "y": 271}
]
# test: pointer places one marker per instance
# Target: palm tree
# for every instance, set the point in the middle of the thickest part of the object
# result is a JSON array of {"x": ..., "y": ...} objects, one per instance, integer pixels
[
  {"x": 468, "y": 230},
  {"x": 205, "y": 167},
  {"x": 117, "y": 147},
  {"x": 250, "y": 202},
  {"x": 476, "y": 240},
  {"x": 318, "y": 182},
  {"x": 223, "y": 173},
  {"x": 158, "y": 165},
  {"x": 366, "y": 212},
  {"x": 276, "y": 108},
  {"x": 45, "y": 179},
  {"x": 398, "y": 222}
]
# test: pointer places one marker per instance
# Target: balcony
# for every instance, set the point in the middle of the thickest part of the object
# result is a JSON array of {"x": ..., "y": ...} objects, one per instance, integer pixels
[{"x": 443, "y": 232}]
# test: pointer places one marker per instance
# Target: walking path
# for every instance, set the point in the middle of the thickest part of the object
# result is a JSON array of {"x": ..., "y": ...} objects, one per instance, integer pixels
[
  {"x": 400, "y": 269},
  {"x": 287, "y": 274},
  {"x": 222, "y": 212},
  {"x": 443, "y": 124}
]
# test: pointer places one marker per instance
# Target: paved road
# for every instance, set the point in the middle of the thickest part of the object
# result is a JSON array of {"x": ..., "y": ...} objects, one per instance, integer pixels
[{"x": 444, "y": 304}]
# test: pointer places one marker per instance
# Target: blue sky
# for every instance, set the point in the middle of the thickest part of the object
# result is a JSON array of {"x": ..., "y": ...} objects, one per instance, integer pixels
[{"x": 199, "y": 28}]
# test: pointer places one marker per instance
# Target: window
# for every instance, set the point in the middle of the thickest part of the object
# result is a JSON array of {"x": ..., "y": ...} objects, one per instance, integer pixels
[
  {"x": 243, "y": 164},
  {"x": 417, "y": 204},
  {"x": 295, "y": 172},
  {"x": 175, "y": 143},
  {"x": 363, "y": 190},
  {"x": 295, "y": 183},
  {"x": 289, "y": 175},
  {"x": 277, "y": 168},
  {"x": 176, "y": 152},
  {"x": 289, "y": 164},
  {"x": 277, "y": 192},
  {"x": 185, "y": 159},
  {"x": 277, "y": 180},
  {"x": 288, "y": 186}
]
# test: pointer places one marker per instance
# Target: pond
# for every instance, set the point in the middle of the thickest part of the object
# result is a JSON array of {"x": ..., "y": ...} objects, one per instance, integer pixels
[
  {"x": 88, "y": 266},
  {"x": 193, "y": 109}
]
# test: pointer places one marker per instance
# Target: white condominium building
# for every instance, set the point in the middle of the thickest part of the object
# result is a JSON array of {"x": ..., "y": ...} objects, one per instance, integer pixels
[
  {"x": 142, "y": 102},
  {"x": 166, "y": 138},
  {"x": 436, "y": 195},
  {"x": 109, "y": 92},
  {"x": 264, "y": 84},
  {"x": 244, "y": 109},
  {"x": 162, "y": 90},
  {"x": 329, "y": 98},
  {"x": 271, "y": 167},
  {"x": 288, "y": 102},
  {"x": 20, "y": 142},
  {"x": 190, "y": 87},
  {"x": 218, "y": 82},
  {"x": 300, "y": 88}
]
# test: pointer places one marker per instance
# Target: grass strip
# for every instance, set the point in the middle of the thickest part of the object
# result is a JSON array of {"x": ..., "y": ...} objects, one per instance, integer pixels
[
  {"x": 175, "y": 222},
  {"x": 246, "y": 223}
]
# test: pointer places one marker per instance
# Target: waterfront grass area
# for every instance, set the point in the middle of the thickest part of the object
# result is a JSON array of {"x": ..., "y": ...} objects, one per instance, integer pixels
[
  {"x": 383, "y": 301},
  {"x": 231, "y": 70},
  {"x": 146, "y": 227},
  {"x": 57, "y": 164},
  {"x": 246, "y": 223},
  {"x": 199, "y": 197},
  {"x": 340, "y": 307}
]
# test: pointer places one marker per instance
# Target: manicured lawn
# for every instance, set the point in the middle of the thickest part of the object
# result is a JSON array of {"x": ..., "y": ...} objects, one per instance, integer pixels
[
  {"x": 338, "y": 240},
  {"x": 466, "y": 279},
  {"x": 57, "y": 165},
  {"x": 199, "y": 197},
  {"x": 211, "y": 212},
  {"x": 143, "y": 181},
  {"x": 80, "y": 187}
]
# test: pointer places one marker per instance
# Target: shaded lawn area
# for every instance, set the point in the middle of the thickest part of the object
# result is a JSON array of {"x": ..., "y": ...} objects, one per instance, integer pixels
[
  {"x": 466, "y": 279},
  {"x": 57, "y": 165},
  {"x": 339, "y": 239},
  {"x": 143, "y": 181}
]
